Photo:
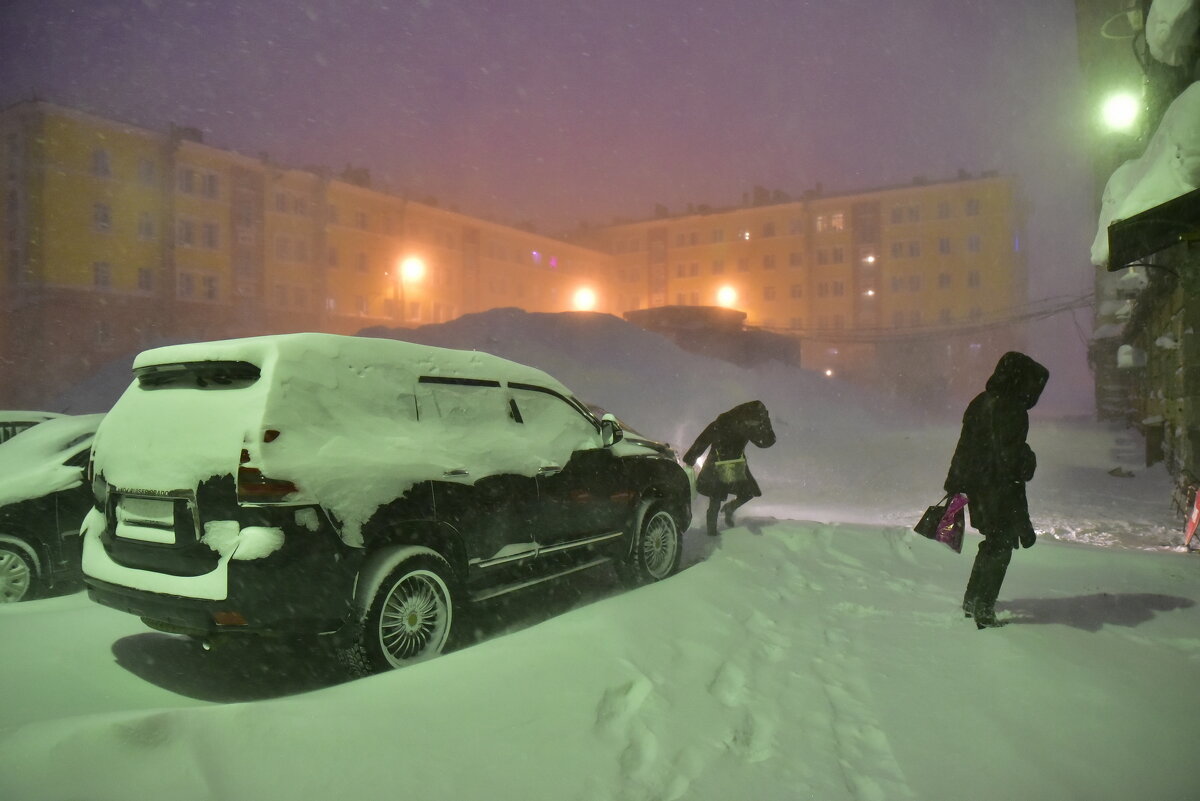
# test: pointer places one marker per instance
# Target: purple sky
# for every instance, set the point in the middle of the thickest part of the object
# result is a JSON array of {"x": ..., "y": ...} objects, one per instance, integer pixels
[{"x": 558, "y": 111}]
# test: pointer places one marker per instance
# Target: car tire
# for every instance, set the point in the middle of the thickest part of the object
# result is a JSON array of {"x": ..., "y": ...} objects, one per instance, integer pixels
[
  {"x": 657, "y": 548},
  {"x": 411, "y": 617},
  {"x": 18, "y": 574}
]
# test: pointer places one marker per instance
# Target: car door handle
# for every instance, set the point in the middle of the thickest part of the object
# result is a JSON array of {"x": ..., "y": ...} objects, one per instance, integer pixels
[
  {"x": 458, "y": 471},
  {"x": 549, "y": 470}
]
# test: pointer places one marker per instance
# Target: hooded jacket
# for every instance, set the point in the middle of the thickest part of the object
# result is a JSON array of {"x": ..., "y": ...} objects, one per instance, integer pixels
[
  {"x": 992, "y": 461},
  {"x": 728, "y": 436}
]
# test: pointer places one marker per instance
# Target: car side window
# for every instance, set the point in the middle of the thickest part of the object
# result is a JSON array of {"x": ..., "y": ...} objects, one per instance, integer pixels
[
  {"x": 551, "y": 420},
  {"x": 463, "y": 402}
]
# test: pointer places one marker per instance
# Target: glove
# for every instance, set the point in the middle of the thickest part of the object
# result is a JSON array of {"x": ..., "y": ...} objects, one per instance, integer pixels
[{"x": 1028, "y": 537}]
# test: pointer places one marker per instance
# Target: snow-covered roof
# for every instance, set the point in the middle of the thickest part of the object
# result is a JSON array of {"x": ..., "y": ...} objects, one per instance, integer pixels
[
  {"x": 1171, "y": 28},
  {"x": 1169, "y": 168}
]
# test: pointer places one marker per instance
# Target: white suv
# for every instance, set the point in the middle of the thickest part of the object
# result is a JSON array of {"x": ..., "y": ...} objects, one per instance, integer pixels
[{"x": 362, "y": 489}]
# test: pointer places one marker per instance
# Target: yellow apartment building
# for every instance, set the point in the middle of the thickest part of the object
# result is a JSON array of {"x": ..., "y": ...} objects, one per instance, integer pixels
[{"x": 119, "y": 238}]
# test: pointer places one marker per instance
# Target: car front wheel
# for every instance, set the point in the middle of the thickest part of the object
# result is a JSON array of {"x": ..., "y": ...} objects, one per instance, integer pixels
[
  {"x": 412, "y": 614},
  {"x": 18, "y": 576},
  {"x": 657, "y": 549}
]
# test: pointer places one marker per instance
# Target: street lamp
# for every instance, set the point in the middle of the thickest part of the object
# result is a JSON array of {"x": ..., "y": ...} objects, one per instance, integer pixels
[
  {"x": 726, "y": 296},
  {"x": 585, "y": 299},
  {"x": 1120, "y": 111},
  {"x": 412, "y": 270}
]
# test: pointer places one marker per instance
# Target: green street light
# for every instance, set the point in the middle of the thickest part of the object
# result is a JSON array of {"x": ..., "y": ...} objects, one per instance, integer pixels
[{"x": 1120, "y": 111}]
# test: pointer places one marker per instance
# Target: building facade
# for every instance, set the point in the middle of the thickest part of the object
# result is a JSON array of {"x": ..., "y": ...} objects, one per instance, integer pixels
[{"x": 119, "y": 238}]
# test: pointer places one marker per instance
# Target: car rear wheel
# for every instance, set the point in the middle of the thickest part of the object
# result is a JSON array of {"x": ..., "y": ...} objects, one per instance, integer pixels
[
  {"x": 18, "y": 576},
  {"x": 657, "y": 549},
  {"x": 411, "y": 617}
]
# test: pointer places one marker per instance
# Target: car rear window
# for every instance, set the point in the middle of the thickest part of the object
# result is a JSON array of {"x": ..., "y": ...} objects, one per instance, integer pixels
[{"x": 197, "y": 375}]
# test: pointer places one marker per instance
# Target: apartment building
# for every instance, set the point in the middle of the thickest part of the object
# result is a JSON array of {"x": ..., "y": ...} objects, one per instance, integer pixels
[
  {"x": 912, "y": 287},
  {"x": 119, "y": 238}
]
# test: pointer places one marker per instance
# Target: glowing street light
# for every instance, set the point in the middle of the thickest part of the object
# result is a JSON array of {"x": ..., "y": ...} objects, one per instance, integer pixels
[
  {"x": 726, "y": 296},
  {"x": 585, "y": 299},
  {"x": 412, "y": 270},
  {"x": 1120, "y": 111}
]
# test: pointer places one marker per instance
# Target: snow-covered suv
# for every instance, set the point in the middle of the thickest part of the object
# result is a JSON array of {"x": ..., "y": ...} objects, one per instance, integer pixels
[{"x": 361, "y": 488}]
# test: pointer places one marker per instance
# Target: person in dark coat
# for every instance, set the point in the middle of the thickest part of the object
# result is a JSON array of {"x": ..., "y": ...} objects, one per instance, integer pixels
[
  {"x": 725, "y": 471},
  {"x": 991, "y": 465}
]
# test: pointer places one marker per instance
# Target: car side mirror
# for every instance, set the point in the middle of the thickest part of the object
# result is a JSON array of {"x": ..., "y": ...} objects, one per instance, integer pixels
[{"x": 610, "y": 430}]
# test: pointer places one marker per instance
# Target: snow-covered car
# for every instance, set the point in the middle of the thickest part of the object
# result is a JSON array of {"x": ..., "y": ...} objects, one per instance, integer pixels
[
  {"x": 43, "y": 501},
  {"x": 362, "y": 489},
  {"x": 14, "y": 422}
]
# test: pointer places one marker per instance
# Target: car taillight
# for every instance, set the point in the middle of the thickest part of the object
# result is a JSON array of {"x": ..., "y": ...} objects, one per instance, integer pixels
[{"x": 254, "y": 486}]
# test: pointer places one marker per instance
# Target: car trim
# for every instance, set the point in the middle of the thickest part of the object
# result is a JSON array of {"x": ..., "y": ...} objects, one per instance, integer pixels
[
  {"x": 520, "y": 585},
  {"x": 538, "y": 550}
]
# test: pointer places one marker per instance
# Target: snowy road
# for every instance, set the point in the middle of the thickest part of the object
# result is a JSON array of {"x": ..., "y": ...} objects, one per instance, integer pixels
[{"x": 794, "y": 660}]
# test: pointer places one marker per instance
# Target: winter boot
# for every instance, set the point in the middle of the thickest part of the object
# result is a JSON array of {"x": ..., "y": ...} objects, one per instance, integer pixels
[{"x": 714, "y": 508}]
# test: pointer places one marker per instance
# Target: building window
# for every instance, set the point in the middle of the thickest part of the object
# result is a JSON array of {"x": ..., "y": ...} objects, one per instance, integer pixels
[
  {"x": 185, "y": 233},
  {"x": 914, "y": 249},
  {"x": 101, "y": 166},
  {"x": 897, "y": 250},
  {"x": 146, "y": 227},
  {"x": 822, "y": 289},
  {"x": 837, "y": 222},
  {"x": 300, "y": 206},
  {"x": 913, "y": 214},
  {"x": 943, "y": 210},
  {"x": 795, "y": 259},
  {"x": 796, "y": 291},
  {"x": 147, "y": 172},
  {"x": 973, "y": 206},
  {"x": 680, "y": 270},
  {"x": 101, "y": 217},
  {"x": 210, "y": 236},
  {"x": 186, "y": 181},
  {"x": 839, "y": 288},
  {"x": 694, "y": 268},
  {"x": 839, "y": 255},
  {"x": 101, "y": 274},
  {"x": 897, "y": 283},
  {"x": 186, "y": 285},
  {"x": 822, "y": 223},
  {"x": 944, "y": 245},
  {"x": 693, "y": 238},
  {"x": 943, "y": 280},
  {"x": 208, "y": 287},
  {"x": 718, "y": 235},
  {"x": 768, "y": 293},
  {"x": 795, "y": 226},
  {"x": 897, "y": 214},
  {"x": 974, "y": 279},
  {"x": 145, "y": 279},
  {"x": 211, "y": 187},
  {"x": 822, "y": 256},
  {"x": 768, "y": 261},
  {"x": 974, "y": 243},
  {"x": 914, "y": 283}
]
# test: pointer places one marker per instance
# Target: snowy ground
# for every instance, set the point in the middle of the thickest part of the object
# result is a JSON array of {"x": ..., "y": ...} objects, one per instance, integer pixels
[{"x": 814, "y": 651}]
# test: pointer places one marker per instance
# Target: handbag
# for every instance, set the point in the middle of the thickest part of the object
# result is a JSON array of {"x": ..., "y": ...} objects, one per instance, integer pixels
[
  {"x": 927, "y": 526},
  {"x": 944, "y": 522},
  {"x": 731, "y": 471}
]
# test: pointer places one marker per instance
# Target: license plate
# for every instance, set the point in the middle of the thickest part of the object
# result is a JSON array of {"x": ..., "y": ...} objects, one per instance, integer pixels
[{"x": 146, "y": 520}]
